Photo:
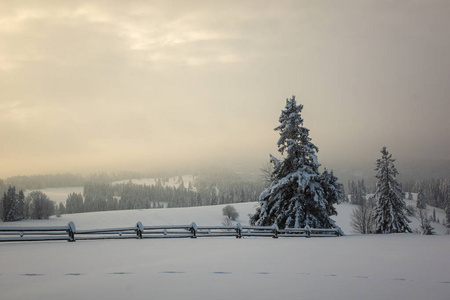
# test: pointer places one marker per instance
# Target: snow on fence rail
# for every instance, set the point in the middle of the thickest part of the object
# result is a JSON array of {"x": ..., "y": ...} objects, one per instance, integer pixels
[{"x": 71, "y": 234}]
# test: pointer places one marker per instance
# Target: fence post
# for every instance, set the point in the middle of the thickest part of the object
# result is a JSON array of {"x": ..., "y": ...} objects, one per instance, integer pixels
[
  {"x": 139, "y": 229},
  {"x": 275, "y": 231},
  {"x": 239, "y": 230},
  {"x": 308, "y": 231},
  {"x": 194, "y": 230},
  {"x": 71, "y": 231}
]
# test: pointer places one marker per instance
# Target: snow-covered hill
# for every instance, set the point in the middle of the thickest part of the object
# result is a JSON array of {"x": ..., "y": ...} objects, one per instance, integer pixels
[{"x": 204, "y": 215}]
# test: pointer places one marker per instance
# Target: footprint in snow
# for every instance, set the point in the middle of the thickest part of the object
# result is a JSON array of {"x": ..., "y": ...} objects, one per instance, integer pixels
[
  {"x": 263, "y": 273},
  {"x": 448, "y": 282},
  {"x": 304, "y": 273},
  {"x": 172, "y": 272},
  {"x": 73, "y": 274},
  {"x": 120, "y": 273},
  {"x": 32, "y": 274},
  {"x": 399, "y": 279},
  {"x": 331, "y": 275},
  {"x": 222, "y": 272},
  {"x": 363, "y": 277}
]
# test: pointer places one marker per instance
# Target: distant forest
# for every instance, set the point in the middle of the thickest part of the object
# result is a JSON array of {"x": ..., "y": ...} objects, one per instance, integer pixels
[
  {"x": 35, "y": 182},
  {"x": 205, "y": 190},
  {"x": 99, "y": 194}
]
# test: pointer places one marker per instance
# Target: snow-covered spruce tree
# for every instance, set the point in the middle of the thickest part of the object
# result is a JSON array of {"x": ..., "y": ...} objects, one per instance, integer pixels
[
  {"x": 420, "y": 204},
  {"x": 13, "y": 205},
  {"x": 298, "y": 194},
  {"x": 447, "y": 214},
  {"x": 7, "y": 203},
  {"x": 390, "y": 208}
]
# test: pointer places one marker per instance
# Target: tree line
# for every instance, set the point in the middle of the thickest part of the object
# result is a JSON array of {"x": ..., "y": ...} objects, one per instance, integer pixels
[
  {"x": 42, "y": 181},
  {"x": 210, "y": 189},
  {"x": 436, "y": 191}
]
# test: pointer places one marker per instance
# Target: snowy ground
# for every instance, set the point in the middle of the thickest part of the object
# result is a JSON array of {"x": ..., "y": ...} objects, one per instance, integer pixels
[
  {"x": 398, "y": 266},
  {"x": 352, "y": 267}
]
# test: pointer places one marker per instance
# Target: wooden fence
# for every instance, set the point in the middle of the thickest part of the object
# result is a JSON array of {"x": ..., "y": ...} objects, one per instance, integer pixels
[{"x": 71, "y": 234}]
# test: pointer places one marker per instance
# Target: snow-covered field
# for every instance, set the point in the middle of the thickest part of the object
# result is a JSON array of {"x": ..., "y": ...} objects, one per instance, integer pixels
[
  {"x": 396, "y": 266},
  {"x": 171, "y": 182},
  {"x": 60, "y": 195}
]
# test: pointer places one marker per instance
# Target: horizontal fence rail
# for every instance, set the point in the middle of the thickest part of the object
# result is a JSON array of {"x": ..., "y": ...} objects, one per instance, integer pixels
[{"x": 71, "y": 234}]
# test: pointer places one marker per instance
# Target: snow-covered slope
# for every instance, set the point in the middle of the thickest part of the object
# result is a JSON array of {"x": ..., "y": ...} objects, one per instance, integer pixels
[
  {"x": 396, "y": 266},
  {"x": 204, "y": 215}
]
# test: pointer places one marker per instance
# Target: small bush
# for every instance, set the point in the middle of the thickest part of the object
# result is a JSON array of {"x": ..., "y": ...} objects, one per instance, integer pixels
[
  {"x": 40, "y": 206},
  {"x": 230, "y": 212}
]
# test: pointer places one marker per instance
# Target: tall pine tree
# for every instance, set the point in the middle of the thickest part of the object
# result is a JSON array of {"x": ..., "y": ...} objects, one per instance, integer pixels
[
  {"x": 390, "y": 209},
  {"x": 298, "y": 194}
]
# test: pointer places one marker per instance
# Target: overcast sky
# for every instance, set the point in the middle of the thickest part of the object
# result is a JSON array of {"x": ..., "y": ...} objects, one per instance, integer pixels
[{"x": 142, "y": 85}]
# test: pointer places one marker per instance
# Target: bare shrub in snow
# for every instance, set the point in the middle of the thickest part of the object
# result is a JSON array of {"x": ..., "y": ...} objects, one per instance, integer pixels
[
  {"x": 266, "y": 174},
  {"x": 230, "y": 212},
  {"x": 362, "y": 218},
  {"x": 425, "y": 222},
  {"x": 227, "y": 221}
]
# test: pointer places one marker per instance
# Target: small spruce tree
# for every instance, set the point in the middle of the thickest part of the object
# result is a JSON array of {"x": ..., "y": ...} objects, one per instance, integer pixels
[
  {"x": 390, "y": 208},
  {"x": 13, "y": 205},
  {"x": 447, "y": 214},
  {"x": 230, "y": 212},
  {"x": 420, "y": 204}
]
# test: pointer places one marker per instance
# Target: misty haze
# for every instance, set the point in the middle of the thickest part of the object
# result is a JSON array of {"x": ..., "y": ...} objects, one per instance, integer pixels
[{"x": 249, "y": 119}]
